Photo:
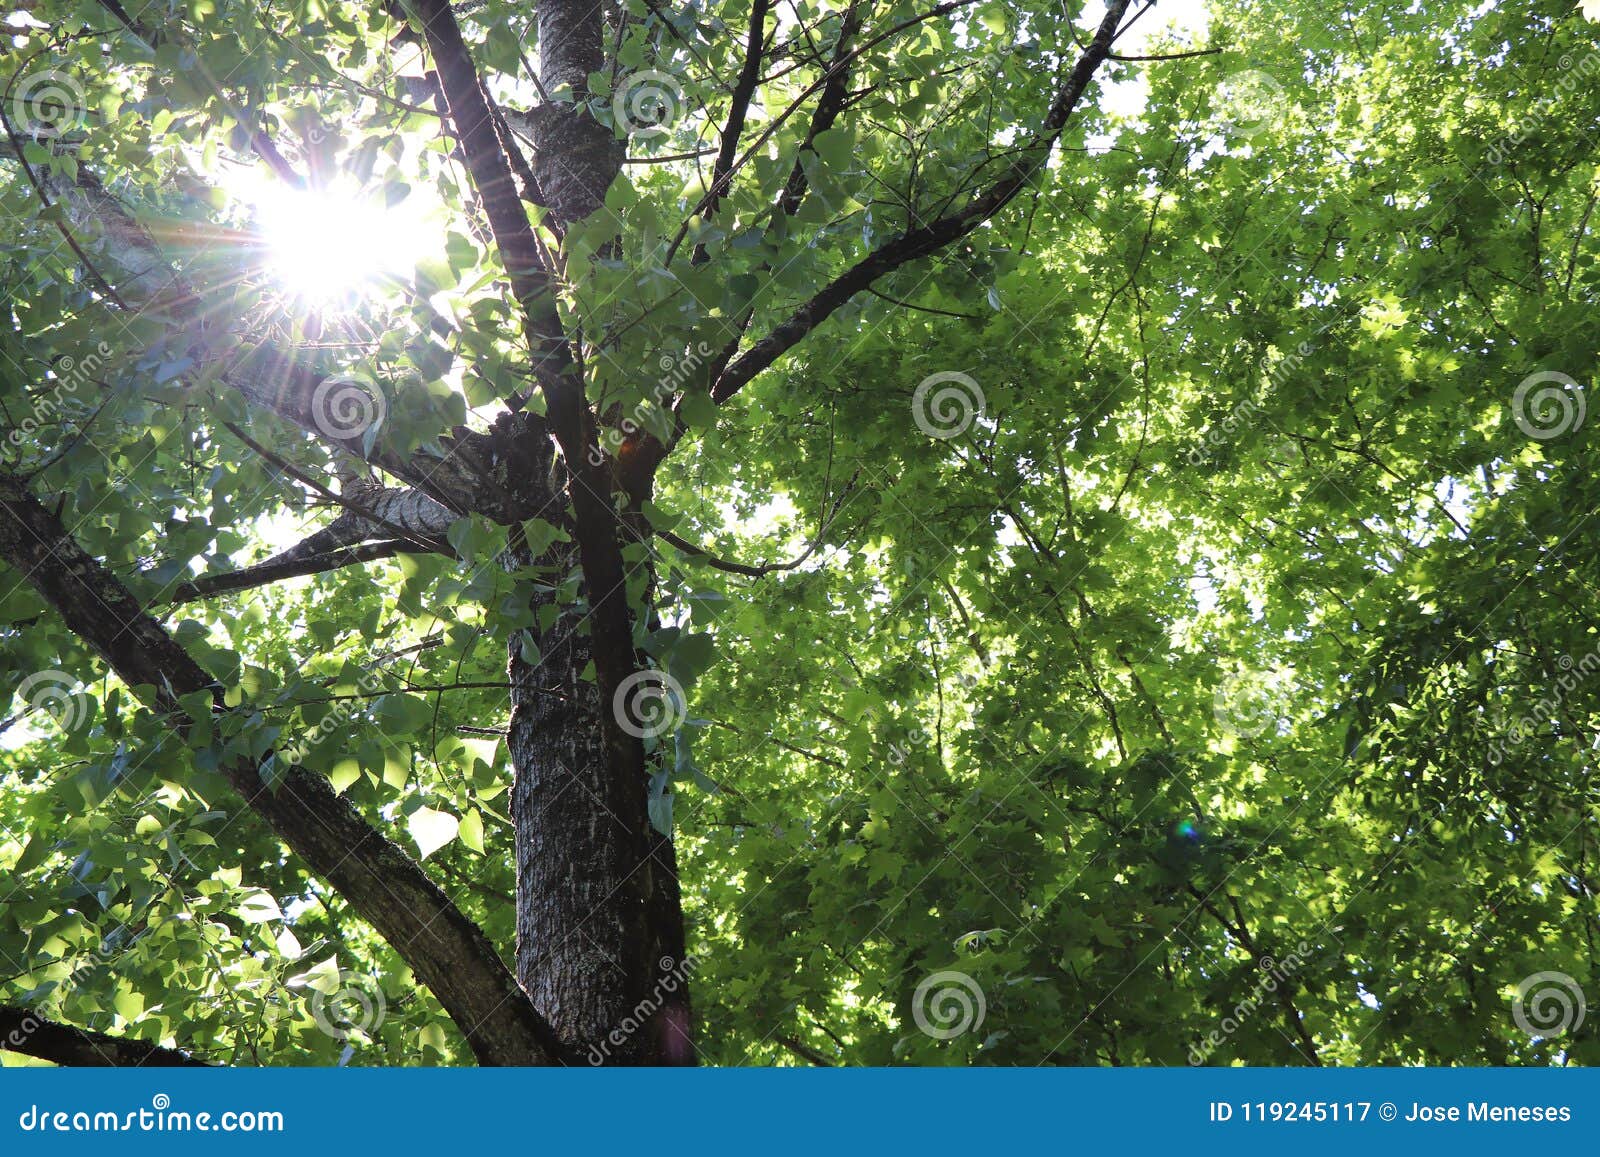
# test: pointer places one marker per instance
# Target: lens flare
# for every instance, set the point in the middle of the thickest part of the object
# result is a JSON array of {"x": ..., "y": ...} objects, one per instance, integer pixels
[{"x": 328, "y": 248}]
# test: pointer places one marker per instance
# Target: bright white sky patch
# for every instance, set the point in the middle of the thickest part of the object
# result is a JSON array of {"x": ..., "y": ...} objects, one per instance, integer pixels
[
  {"x": 1187, "y": 19},
  {"x": 326, "y": 247}
]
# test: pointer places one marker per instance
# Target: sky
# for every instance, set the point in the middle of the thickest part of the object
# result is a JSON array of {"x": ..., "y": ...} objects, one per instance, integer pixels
[{"x": 1186, "y": 17}]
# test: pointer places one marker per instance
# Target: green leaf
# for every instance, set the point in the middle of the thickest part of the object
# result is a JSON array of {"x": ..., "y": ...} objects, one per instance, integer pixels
[
  {"x": 431, "y": 830},
  {"x": 471, "y": 829},
  {"x": 404, "y": 714},
  {"x": 344, "y": 774},
  {"x": 660, "y": 803},
  {"x": 258, "y": 908},
  {"x": 324, "y": 977}
]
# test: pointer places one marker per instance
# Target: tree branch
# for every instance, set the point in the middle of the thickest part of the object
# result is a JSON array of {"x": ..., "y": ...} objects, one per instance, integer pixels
[
  {"x": 835, "y": 90},
  {"x": 448, "y": 952},
  {"x": 804, "y": 1051},
  {"x": 711, "y": 560},
  {"x": 407, "y": 514},
  {"x": 596, "y": 525},
  {"x": 744, "y": 89},
  {"x": 27, "y": 1032},
  {"x": 1241, "y": 932},
  {"x": 272, "y": 571},
  {"x": 840, "y": 62},
  {"x": 927, "y": 239},
  {"x": 829, "y": 105},
  {"x": 1168, "y": 55}
]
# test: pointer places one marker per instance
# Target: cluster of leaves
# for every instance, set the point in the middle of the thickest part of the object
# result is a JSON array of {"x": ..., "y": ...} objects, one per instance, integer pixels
[{"x": 1249, "y": 432}]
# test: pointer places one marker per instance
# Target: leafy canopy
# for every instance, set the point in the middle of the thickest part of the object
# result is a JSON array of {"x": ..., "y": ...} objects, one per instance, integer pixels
[{"x": 1242, "y": 627}]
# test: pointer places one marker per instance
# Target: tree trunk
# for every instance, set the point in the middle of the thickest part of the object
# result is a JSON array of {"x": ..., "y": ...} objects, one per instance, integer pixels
[{"x": 600, "y": 943}]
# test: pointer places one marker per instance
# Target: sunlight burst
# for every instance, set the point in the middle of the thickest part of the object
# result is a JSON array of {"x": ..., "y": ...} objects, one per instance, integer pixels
[{"x": 329, "y": 247}]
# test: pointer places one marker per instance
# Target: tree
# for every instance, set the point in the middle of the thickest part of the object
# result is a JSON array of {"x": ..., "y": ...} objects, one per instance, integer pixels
[{"x": 1070, "y": 562}]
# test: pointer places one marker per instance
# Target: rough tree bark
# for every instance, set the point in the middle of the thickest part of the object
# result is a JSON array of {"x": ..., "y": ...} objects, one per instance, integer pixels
[
  {"x": 597, "y": 907},
  {"x": 25, "y": 1031},
  {"x": 600, "y": 940},
  {"x": 587, "y": 929}
]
